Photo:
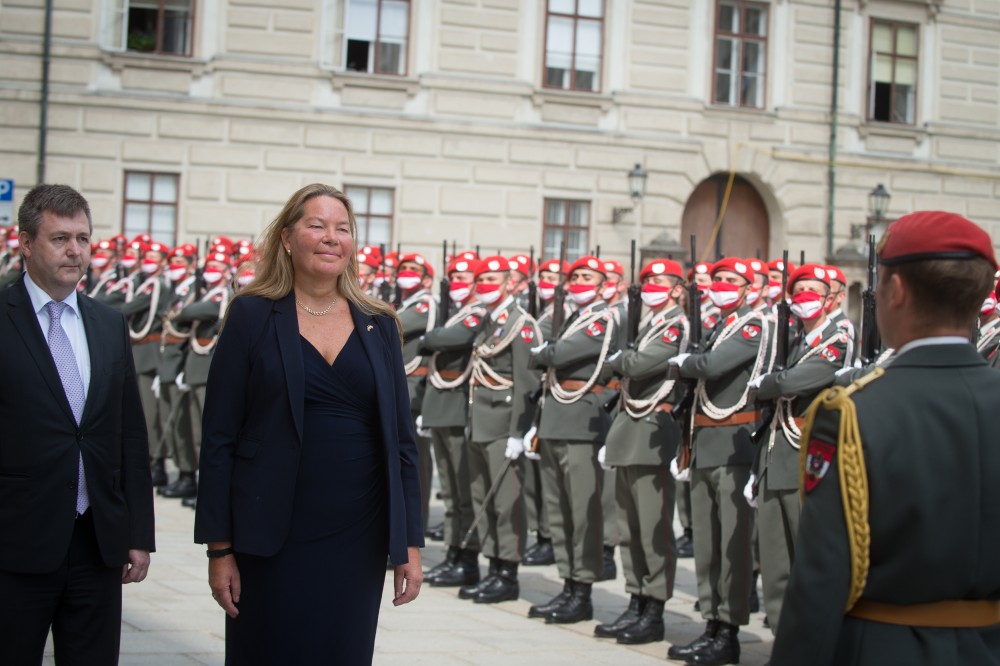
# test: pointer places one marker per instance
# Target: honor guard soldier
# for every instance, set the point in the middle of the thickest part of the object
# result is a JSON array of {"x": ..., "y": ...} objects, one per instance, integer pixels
[
  {"x": 118, "y": 291},
  {"x": 899, "y": 538},
  {"x": 640, "y": 445},
  {"x": 722, "y": 452},
  {"x": 522, "y": 269},
  {"x": 757, "y": 297},
  {"x": 835, "y": 311},
  {"x": 776, "y": 268},
  {"x": 445, "y": 413},
  {"x": 501, "y": 414},
  {"x": 989, "y": 327},
  {"x": 202, "y": 318},
  {"x": 11, "y": 264},
  {"x": 369, "y": 261},
  {"x": 550, "y": 277},
  {"x": 814, "y": 356},
  {"x": 145, "y": 314},
  {"x": 572, "y": 428},
  {"x": 417, "y": 315},
  {"x": 614, "y": 291},
  {"x": 175, "y": 415}
]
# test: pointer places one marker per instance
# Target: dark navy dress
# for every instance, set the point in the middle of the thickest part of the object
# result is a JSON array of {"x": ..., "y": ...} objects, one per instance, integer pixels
[{"x": 317, "y": 600}]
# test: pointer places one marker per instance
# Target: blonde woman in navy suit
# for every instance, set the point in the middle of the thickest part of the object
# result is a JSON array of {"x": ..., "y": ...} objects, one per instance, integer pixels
[{"x": 308, "y": 462}]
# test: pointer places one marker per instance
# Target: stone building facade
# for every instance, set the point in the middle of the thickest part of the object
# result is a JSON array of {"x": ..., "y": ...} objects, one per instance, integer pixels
[{"x": 509, "y": 123}]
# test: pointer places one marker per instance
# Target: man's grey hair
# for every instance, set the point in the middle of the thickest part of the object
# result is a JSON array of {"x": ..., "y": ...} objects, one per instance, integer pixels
[{"x": 61, "y": 200}]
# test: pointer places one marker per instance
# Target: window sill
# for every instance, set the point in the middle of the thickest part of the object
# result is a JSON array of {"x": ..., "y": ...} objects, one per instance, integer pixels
[
  {"x": 740, "y": 112},
  {"x": 541, "y": 97},
  {"x": 875, "y": 128},
  {"x": 383, "y": 82},
  {"x": 119, "y": 60}
]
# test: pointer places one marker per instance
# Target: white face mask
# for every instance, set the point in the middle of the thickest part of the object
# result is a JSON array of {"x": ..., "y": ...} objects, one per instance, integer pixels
[
  {"x": 459, "y": 294},
  {"x": 609, "y": 292},
  {"x": 723, "y": 295},
  {"x": 753, "y": 296},
  {"x": 176, "y": 274},
  {"x": 211, "y": 277},
  {"x": 806, "y": 305},
  {"x": 653, "y": 299},
  {"x": 407, "y": 280},
  {"x": 581, "y": 295},
  {"x": 989, "y": 305},
  {"x": 149, "y": 267},
  {"x": 546, "y": 290},
  {"x": 773, "y": 291},
  {"x": 129, "y": 262},
  {"x": 489, "y": 293},
  {"x": 244, "y": 279},
  {"x": 13, "y": 243},
  {"x": 99, "y": 262},
  {"x": 378, "y": 281}
]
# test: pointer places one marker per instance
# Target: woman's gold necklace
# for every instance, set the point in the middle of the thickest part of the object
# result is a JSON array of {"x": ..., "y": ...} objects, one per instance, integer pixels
[{"x": 316, "y": 313}]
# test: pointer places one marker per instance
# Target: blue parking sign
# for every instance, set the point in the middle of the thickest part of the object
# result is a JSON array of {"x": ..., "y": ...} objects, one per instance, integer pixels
[
  {"x": 7, "y": 189},
  {"x": 6, "y": 202}
]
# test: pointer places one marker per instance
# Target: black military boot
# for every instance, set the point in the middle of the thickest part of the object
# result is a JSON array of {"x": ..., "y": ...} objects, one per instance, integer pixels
[
  {"x": 464, "y": 571},
  {"x": 754, "y": 597},
  {"x": 680, "y": 652},
  {"x": 449, "y": 561},
  {"x": 190, "y": 502},
  {"x": 608, "y": 569},
  {"x": 541, "y": 554},
  {"x": 470, "y": 591},
  {"x": 685, "y": 544},
  {"x": 577, "y": 609},
  {"x": 649, "y": 628},
  {"x": 503, "y": 587},
  {"x": 159, "y": 473},
  {"x": 436, "y": 533},
  {"x": 626, "y": 619},
  {"x": 723, "y": 649},
  {"x": 184, "y": 486},
  {"x": 541, "y": 610}
]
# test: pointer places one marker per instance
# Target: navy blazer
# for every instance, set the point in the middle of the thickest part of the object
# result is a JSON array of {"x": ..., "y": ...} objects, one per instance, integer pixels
[
  {"x": 41, "y": 442},
  {"x": 252, "y": 428}
]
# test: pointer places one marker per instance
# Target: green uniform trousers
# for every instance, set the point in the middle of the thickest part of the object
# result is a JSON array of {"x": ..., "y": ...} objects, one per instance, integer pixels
[
  {"x": 778, "y": 523},
  {"x": 722, "y": 523},
  {"x": 572, "y": 480},
  {"x": 451, "y": 453},
  {"x": 426, "y": 471},
  {"x": 504, "y": 527},
  {"x": 684, "y": 504},
  {"x": 175, "y": 420},
  {"x": 151, "y": 410},
  {"x": 611, "y": 535},
  {"x": 645, "y": 498},
  {"x": 538, "y": 517},
  {"x": 196, "y": 406}
]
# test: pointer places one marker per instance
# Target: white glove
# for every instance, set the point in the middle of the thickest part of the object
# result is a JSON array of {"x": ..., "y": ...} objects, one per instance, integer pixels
[
  {"x": 756, "y": 381},
  {"x": 602, "y": 454},
  {"x": 421, "y": 430},
  {"x": 179, "y": 381},
  {"x": 535, "y": 350},
  {"x": 677, "y": 474},
  {"x": 515, "y": 447},
  {"x": 155, "y": 386},
  {"x": 844, "y": 371},
  {"x": 748, "y": 491},
  {"x": 529, "y": 437},
  {"x": 613, "y": 356},
  {"x": 679, "y": 359}
]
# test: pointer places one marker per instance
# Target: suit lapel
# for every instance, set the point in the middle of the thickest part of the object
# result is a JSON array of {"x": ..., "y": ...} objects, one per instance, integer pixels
[
  {"x": 287, "y": 328},
  {"x": 98, "y": 353},
  {"x": 23, "y": 317},
  {"x": 374, "y": 346}
]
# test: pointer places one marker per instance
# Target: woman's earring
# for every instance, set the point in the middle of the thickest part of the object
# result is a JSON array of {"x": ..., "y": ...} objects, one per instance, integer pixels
[{"x": 288, "y": 251}]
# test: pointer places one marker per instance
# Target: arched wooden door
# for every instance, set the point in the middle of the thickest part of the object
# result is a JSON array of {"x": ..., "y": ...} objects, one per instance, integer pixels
[{"x": 745, "y": 230}]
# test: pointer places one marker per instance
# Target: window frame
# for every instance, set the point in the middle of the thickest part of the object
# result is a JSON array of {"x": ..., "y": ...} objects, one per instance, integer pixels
[
  {"x": 566, "y": 226},
  {"x": 870, "y": 105},
  {"x": 740, "y": 37},
  {"x": 576, "y": 18},
  {"x": 158, "y": 50},
  {"x": 362, "y": 238},
  {"x": 374, "y": 46},
  {"x": 151, "y": 201}
]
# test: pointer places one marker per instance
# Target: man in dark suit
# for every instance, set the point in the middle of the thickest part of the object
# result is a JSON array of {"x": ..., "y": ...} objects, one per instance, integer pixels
[
  {"x": 899, "y": 536},
  {"x": 76, "y": 509}
]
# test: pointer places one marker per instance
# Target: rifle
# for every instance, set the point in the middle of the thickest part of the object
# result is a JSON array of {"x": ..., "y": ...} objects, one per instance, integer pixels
[
  {"x": 634, "y": 311},
  {"x": 200, "y": 256},
  {"x": 871, "y": 341},
  {"x": 383, "y": 289},
  {"x": 782, "y": 314},
  {"x": 397, "y": 294},
  {"x": 532, "y": 287},
  {"x": 559, "y": 300},
  {"x": 445, "y": 287}
]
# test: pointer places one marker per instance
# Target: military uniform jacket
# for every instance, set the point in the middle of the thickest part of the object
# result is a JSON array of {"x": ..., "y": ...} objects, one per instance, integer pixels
[
  {"x": 115, "y": 293},
  {"x": 501, "y": 403},
  {"x": 928, "y": 431},
  {"x": 204, "y": 319},
  {"x": 812, "y": 366},
  {"x": 588, "y": 337},
  {"x": 545, "y": 319},
  {"x": 989, "y": 338},
  {"x": 145, "y": 314},
  {"x": 840, "y": 320},
  {"x": 174, "y": 345},
  {"x": 735, "y": 353},
  {"x": 446, "y": 401},
  {"x": 417, "y": 315},
  {"x": 641, "y": 435}
]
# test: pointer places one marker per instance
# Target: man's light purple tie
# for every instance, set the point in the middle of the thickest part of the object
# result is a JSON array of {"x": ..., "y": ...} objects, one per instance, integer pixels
[{"x": 69, "y": 373}]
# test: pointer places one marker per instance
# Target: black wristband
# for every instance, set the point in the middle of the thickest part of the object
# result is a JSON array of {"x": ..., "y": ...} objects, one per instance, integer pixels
[{"x": 220, "y": 552}]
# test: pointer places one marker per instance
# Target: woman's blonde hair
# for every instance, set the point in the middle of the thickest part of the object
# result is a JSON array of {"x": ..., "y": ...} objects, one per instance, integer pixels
[{"x": 275, "y": 275}]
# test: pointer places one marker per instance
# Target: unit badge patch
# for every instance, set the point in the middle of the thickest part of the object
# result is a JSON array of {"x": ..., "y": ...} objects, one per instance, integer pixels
[
  {"x": 527, "y": 334},
  {"x": 502, "y": 318},
  {"x": 422, "y": 308},
  {"x": 595, "y": 329},
  {"x": 818, "y": 460},
  {"x": 710, "y": 321},
  {"x": 471, "y": 321},
  {"x": 671, "y": 335},
  {"x": 830, "y": 353},
  {"x": 751, "y": 331}
]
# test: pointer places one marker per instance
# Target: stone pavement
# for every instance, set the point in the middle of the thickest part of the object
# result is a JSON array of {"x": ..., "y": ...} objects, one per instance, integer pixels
[{"x": 170, "y": 619}]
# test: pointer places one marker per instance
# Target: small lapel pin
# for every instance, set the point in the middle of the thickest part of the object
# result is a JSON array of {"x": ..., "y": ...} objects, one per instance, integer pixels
[{"x": 370, "y": 327}]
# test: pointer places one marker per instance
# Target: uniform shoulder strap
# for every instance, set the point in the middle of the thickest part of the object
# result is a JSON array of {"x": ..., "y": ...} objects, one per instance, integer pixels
[{"x": 852, "y": 472}]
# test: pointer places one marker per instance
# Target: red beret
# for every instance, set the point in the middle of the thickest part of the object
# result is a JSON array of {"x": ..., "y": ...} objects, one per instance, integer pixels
[
  {"x": 590, "y": 263},
  {"x": 776, "y": 265},
  {"x": 494, "y": 264},
  {"x": 701, "y": 268},
  {"x": 142, "y": 238},
  {"x": 520, "y": 263},
  {"x": 613, "y": 266},
  {"x": 553, "y": 266},
  {"x": 221, "y": 257},
  {"x": 835, "y": 273},
  {"x": 468, "y": 255},
  {"x": 934, "y": 234},
  {"x": 736, "y": 265},
  {"x": 759, "y": 267},
  {"x": 462, "y": 264},
  {"x": 392, "y": 259},
  {"x": 662, "y": 267},
  {"x": 373, "y": 260},
  {"x": 418, "y": 259},
  {"x": 157, "y": 247},
  {"x": 808, "y": 272},
  {"x": 371, "y": 250}
]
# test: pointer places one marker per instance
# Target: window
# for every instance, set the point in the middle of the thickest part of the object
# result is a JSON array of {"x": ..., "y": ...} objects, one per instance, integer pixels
[
  {"x": 892, "y": 91},
  {"x": 566, "y": 221},
  {"x": 740, "y": 54},
  {"x": 150, "y": 205},
  {"x": 150, "y": 26},
  {"x": 376, "y": 35},
  {"x": 373, "y": 213},
  {"x": 574, "y": 36}
]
